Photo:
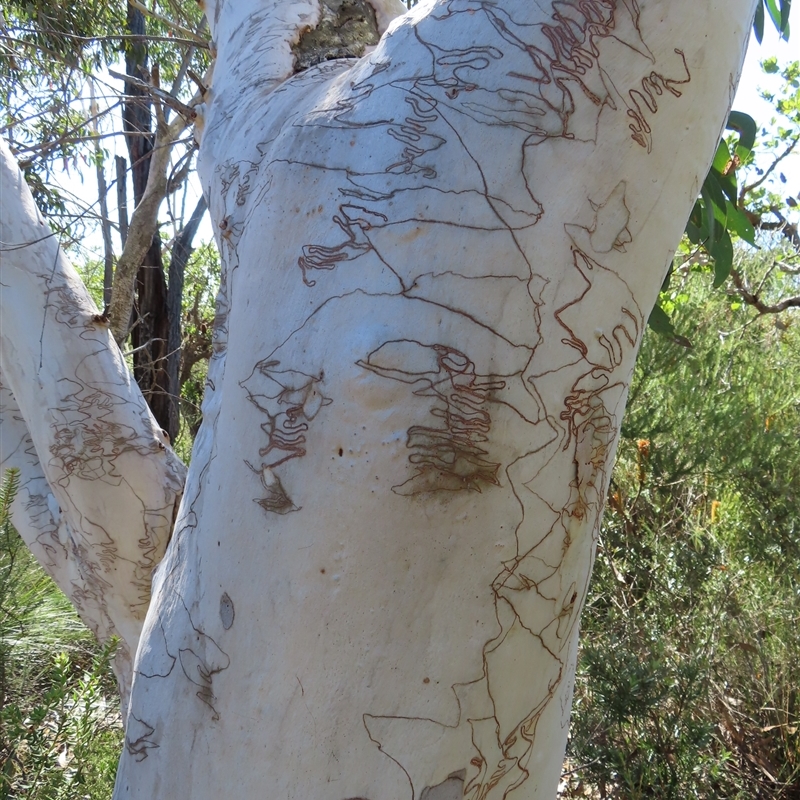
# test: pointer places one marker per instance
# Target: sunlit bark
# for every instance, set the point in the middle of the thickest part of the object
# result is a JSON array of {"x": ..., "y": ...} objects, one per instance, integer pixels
[
  {"x": 99, "y": 488},
  {"x": 438, "y": 264}
]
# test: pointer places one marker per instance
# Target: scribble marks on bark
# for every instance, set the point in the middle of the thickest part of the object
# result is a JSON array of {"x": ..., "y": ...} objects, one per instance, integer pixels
[
  {"x": 354, "y": 221},
  {"x": 476, "y": 370},
  {"x": 138, "y": 738},
  {"x": 452, "y": 456},
  {"x": 653, "y": 85},
  {"x": 290, "y": 400}
]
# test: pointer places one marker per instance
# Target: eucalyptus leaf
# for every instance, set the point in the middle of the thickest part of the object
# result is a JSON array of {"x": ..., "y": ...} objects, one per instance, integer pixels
[
  {"x": 723, "y": 259},
  {"x": 746, "y": 127},
  {"x": 740, "y": 224},
  {"x": 660, "y": 322},
  {"x": 758, "y": 23}
]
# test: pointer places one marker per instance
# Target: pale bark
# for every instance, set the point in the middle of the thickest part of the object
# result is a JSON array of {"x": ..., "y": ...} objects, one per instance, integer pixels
[
  {"x": 143, "y": 227},
  {"x": 99, "y": 488},
  {"x": 438, "y": 262}
]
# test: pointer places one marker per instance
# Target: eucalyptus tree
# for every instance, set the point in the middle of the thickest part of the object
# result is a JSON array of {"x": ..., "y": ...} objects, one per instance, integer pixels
[
  {"x": 438, "y": 260},
  {"x": 62, "y": 102}
]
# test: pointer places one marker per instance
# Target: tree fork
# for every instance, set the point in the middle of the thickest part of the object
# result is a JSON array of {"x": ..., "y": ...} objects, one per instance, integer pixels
[{"x": 438, "y": 262}]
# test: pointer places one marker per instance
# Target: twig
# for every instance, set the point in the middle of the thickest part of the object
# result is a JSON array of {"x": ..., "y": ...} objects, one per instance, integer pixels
[
  {"x": 749, "y": 188},
  {"x": 125, "y": 37},
  {"x": 187, "y": 112},
  {"x": 169, "y": 23},
  {"x": 753, "y": 300}
]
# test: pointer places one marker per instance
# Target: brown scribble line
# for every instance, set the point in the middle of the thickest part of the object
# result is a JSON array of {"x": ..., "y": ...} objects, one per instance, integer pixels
[
  {"x": 653, "y": 84},
  {"x": 206, "y": 673},
  {"x": 380, "y": 747}
]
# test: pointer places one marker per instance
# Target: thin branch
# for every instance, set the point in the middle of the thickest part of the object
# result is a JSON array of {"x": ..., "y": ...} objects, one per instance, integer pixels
[
  {"x": 169, "y": 23},
  {"x": 786, "y": 269},
  {"x": 44, "y": 148},
  {"x": 187, "y": 112},
  {"x": 92, "y": 118},
  {"x": 199, "y": 82},
  {"x": 134, "y": 37},
  {"x": 749, "y": 188},
  {"x": 753, "y": 300},
  {"x": 141, "y": 347},
  {"x": 185, "y": 62},
  {"x": 180, "y": 172},
  {"x": 787, "y": 229},
  {"x": 102, "y": 193}
]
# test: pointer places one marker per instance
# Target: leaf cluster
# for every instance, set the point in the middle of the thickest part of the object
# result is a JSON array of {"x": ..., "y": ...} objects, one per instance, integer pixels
[{"x": 729, "y": 208}]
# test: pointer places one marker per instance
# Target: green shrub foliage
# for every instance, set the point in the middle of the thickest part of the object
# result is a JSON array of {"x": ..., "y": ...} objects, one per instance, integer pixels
[
  {"x": 60, "y": 729},
  {"x": 689, "y": 675}
]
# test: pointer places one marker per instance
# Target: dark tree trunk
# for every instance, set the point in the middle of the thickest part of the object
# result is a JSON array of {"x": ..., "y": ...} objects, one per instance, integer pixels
[
  {"x": 149, "y": 337},
  {"x": 181, "y": 252},
  {"x": 150, "y": 323}
]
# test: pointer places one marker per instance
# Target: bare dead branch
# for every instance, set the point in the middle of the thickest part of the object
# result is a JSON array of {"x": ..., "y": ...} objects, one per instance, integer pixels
[
  {"x": 749, "y": 188},
  {"x": 202, "y": 87},
  {"x": 753, "y": 299}
]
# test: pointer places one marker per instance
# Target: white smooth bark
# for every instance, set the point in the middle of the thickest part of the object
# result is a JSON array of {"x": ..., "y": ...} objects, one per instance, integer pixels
[
  {"x": 438, "y": 264},
  {"x": 99, "y": 487}
]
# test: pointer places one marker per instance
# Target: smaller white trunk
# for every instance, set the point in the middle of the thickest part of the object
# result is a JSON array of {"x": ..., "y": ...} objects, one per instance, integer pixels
[{"x": 100, "y": 486}]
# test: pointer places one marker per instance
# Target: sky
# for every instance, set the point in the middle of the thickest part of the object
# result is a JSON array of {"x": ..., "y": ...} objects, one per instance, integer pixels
[{"x": 748, "y": 98}]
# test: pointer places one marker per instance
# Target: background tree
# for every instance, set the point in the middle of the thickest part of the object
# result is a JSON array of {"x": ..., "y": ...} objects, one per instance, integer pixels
[{"x": 56, "y": 57}]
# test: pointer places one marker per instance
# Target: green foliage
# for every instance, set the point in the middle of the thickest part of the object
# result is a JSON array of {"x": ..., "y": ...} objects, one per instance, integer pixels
[
  {"x": 689, "y": 678},
  {"x": 48, "y": 53},
  {"x": 60, "y": 731},
  {"x": 778, "y": 11},
  {"x": 201, "y": 282},
  {"x": 48, "y": 50}
]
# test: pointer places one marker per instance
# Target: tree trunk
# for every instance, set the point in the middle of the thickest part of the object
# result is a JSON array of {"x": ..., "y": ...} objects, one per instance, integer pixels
[
  {"x": 150, "y": 323},
  {"x": 438, "y": 262},
  {"x": 99, "y": 489},
  {"x": 149, "y": 338},
  {"x": 181, "y": 253}
]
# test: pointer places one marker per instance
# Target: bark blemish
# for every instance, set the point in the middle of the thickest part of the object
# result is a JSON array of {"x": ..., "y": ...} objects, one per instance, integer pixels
[
  {"x": 345, "y": 28},
  {"x": 226, "y": 611},
  {"x": 451, "y": 788}
]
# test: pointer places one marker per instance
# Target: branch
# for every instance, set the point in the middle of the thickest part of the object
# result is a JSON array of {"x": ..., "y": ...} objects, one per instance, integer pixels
[
  {"x": 129, "y": 37},
  {"x": 102, "y": 194},
  {"x": 49, "y": 535},
  {"x": 749, "y": 188},
  {"x": 142, "y": 228},
  {"x": 81, "y": 426},
  {"x": 187, "y": 112},
  {"x": 181, "y": 252},
  {"x": 753, "y": 300},
  {"x": 169, "y": 23}
]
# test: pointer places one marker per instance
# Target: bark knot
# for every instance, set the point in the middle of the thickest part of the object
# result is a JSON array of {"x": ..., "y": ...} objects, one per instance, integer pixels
[{"x": 345, "y": 29}]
